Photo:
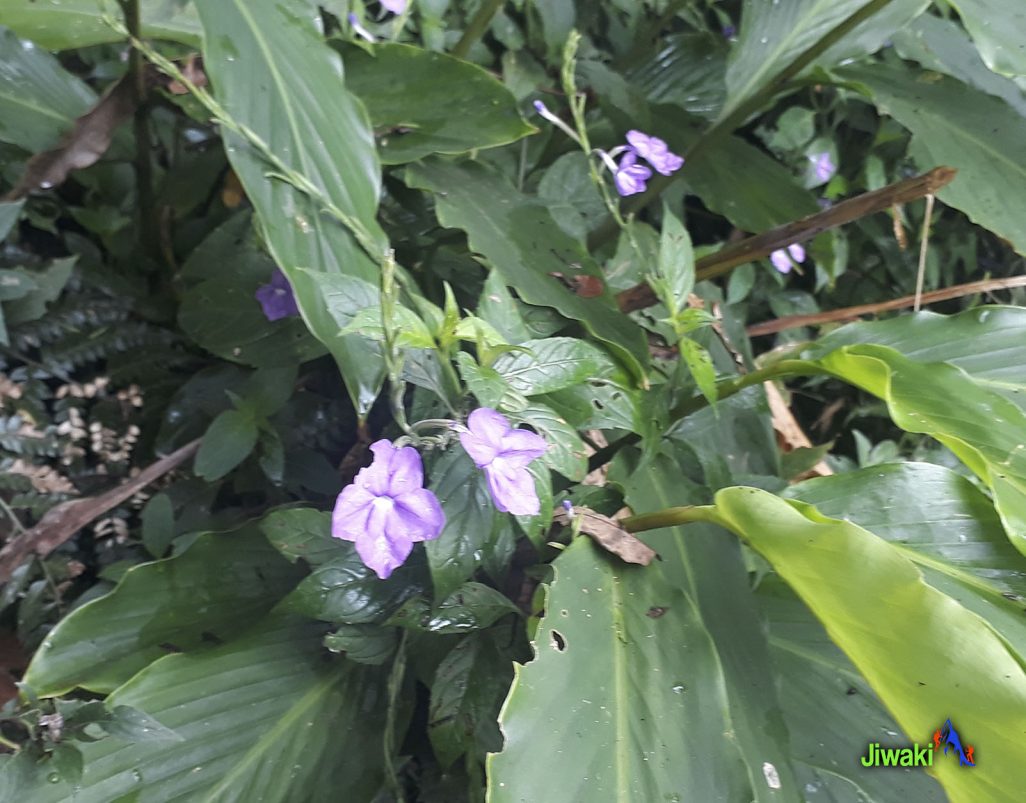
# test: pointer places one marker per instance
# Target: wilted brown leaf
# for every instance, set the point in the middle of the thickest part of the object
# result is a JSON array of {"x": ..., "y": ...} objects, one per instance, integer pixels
[{"x": 608, "y": 534}]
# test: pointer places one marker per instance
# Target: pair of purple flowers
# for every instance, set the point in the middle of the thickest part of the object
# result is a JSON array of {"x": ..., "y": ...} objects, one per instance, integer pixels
[
  {"x": 630, "y": 177},
  {"x": 387, "y": 508}
]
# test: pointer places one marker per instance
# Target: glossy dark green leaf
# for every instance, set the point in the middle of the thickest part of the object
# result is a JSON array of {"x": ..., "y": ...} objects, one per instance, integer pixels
[
  {"x": 996, "y": 27},
  {"x": 364, "y": 644},
  {"x": 423, "y": 102},
  {"x": 687, "y": 71},
  {"x": 66, "y": 24},
  {"x": 986, "y": 141},
  {"x": 158, "y": 524},
  {"x": 552, "y": 364},
  {"x": 199, "y": 598},
  {"x": 132, "y": 725},
  {"x": 275, "y": 74},
  {"x": 522, "y": 241},
  {"x": 269, "y": 715},
  {"x": 303, "y": 533},
  {"x": 219, "y": 309},
  {"x": 39, "y": 99},
  {"x": 472, "y": 606},
  {"x": 227, "y": 442}
]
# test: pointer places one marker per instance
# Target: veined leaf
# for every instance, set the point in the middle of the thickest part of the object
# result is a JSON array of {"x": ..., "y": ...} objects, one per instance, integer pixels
[
  {"x": 551, "y": 364},
  {"x": 275, "y": 74},
  {"x": 997, "y": 27},
  {"x": 519, "y": 237},
  {"x": 198, "y": 598},
  {"x": 917, "y": 646},
  {"x": 985, "y": 141},
  {"x": 268, "y": 716}
]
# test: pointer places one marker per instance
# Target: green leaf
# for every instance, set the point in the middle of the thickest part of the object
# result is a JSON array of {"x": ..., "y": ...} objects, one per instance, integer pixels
[
  {"x": 472, "y": 606},
  {"x": 205, "y": 595},
  {"x": 423, "y": 102},
  {"x": 266, "y": 716},
  {"x": 10, "y": 211},
  {"x": 687, "y": 72},
  {"x": 986, "y": 141},
  {"x": 469, "y": 519},
  {"x": 67, "y": 24},
  {"x": 365, "y": 644},
  {"x": 914, "y": 644},
  {"x": 227, "y": 442},
  {"x": 219, "y": 309},
  {"x": 39, "y": 99},
  {"x": 773, "y": 35},
  {"x": 567, "y": 453},
  {"x": 274, "y": 73},
  {"x": 132, "y": 725},
  {"x": 701, "y": 367},
  {"x": 997, "y": 28},
  {"x": 467, "y": 691},
  {"x": 303, "y": 533},
  {"x": 411, "y": 331},
  {"x": 675, "y": 269},
  {"x": 656, "y": 679},
  {"x": 519, "y": 237},
  {"x": 15, "y": 284},
  {"x": 984, "y": 429},
  {"x": 49, "y": 283},
  {"x": 552, "y": 364},
  {"x": 158, "y": 524}
]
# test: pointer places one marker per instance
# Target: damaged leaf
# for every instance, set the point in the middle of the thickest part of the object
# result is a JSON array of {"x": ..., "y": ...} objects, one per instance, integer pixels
[{"x": 608, "y": 534}]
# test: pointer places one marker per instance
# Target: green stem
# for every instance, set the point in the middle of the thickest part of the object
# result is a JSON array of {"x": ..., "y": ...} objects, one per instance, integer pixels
[
  {"x": 737, "y": 116},
  {"x": 477, "y": 27},
  {"x": 15, "y": 521},
  {"x": 9, "y": 744},
  {"x": 724, "y": 388},
  {"x": 395, "y": 685},
  {"x": 671, "y": 517}
]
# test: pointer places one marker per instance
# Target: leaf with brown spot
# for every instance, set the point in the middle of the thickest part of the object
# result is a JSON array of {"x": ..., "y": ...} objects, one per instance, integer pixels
[{"x": 608, "y": 534}]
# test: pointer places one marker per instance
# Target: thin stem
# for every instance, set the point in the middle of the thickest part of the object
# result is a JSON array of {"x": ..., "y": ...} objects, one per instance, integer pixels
[
  {"x": 9, "y": 744},
  {"x": 924, "y": 245},
  {"x": 15, "y": 521},
  {"x": 477, "y": 27},
  {"x": 671, "y": 517},
  {"x": 724, "y": 388},
  {"x": 395, "y": 685}
]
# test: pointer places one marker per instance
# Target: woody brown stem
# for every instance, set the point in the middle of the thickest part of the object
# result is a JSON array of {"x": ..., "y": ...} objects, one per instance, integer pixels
[{"x": 762, "y": 245}]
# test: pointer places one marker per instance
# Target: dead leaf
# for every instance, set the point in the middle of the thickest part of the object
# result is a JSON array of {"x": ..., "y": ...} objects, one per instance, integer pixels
[
  {"x": 82, "y": 146},
  {"x": 789, "y": 432},
  {"x": 608, "y": 534},
  {"x": 193, "y": 71}
]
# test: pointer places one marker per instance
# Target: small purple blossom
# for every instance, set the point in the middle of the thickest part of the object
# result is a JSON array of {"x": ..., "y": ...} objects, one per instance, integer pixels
[
  {"x": 630, "y": 177},
  {"x": 823, "y": 166},
  {"x": 656, "y": 152},
  {"x": 276, "y": 298},
  {"x": 729, "y": 31},
  {"x": 784, "y": 259},
  {"x": 387, "y": 509},
  {"x": 504, "y": 453},
  {"x": 395, "y": 6}
]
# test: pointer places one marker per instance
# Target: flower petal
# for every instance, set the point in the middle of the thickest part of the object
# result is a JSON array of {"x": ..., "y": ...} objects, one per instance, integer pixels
[
  {"x": 382, "y": 554},
  {"x": 797, "y": 252},
  {"x": 377, "y": 477},
  {"x": 352, "y": 507},
  {"x": 406, "y": 472},
  {"x": 781, "y": 261},
  {"x": 521, "y": 446},
  {"x": 395, "y": 6},
  {"x": 656, "y": 152},
  {"x": 418, "y": 514},
  {"x": 483, "y": 438},
  {"x": 512, "y": 489}
]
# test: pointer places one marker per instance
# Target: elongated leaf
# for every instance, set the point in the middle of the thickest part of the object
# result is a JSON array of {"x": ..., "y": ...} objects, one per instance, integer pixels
[
  {"x": 688, "y": 72},
  {"x": 66, "y": 24},
  {"x": 653, "y": 681},
  {"x": 227, "y": 442},
  {"x": 551, "y": 364},
  {"x": 269, "y": 716},
  {"x": 773, "y": 35},
  {"x": 202, "y": 597},
  {"x": 915, "y": 645},
  {"x": 39, "y": 99},
  {"x": 423, "y": 102},
  {"x": 982, "y": 427},
  {"x": 274, "y": 73},
  {"x": 986, "y": 141},
  {"x": 998, "y": 28},
  {"x": 519, "y": 237}
]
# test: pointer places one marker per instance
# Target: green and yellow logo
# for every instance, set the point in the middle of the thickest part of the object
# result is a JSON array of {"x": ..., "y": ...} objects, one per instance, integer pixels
[{"x": 920, "y": 755}]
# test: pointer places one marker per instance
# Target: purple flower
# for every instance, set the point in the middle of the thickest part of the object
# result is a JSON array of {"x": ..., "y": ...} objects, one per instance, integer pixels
[
  {"x": 823, "y": 166},
  {"x": 729, "y": 31},
  {"x": 630, "y": 177},
  {"x": 395, "y": 6},
  {"x": 276, "y": 298},
  {"x": 655, "y": 152},
  {"x": 784, "y": 259},
  {"x": 387, "y": 509},
  {"x": 503, "y": 453}
]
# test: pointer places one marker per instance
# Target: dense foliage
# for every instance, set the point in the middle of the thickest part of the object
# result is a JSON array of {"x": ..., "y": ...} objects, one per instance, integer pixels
[{"x": 392, "y": 400}]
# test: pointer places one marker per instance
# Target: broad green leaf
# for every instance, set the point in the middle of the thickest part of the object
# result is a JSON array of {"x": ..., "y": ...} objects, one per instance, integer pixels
[
  {"x": 997, "y": 27},
  {"x": 303, "y": 533},
  {"x": 39, "y": 99},
  {"x": 567, "y": 453},
  {"x": 275, "y": 74},
  {"x": 984, "y": 429},
  {"x": 132, "y": 725},
  {"x": 219, "y": 309},
  {"x": 675, "y": 269},
  {"x": 520, "y": 239},
  {"x": 268, "y": 716},
  {"x": 551, "y": 364},
  {"x": 989, "y": 343},
  {"x": 472, "y": 606},
  {"x": 49, "y": 283},
  {"x": 688, "y": 72},
  {"x": 158, "y": 524},
  {"x": 67, "y": 24},
  {"x": 653, "y": 683},
  {"x": 915, "y": 645},
  {"x": 201, "y": 597},
  {"x": 15, "y": 284},
  {"x": 773, "y": 35},
  {"x": 227, "y": 442},
  {"x": 9, "y": 213},
  {"x": 942, "y": 45},
  {"x": 422, "y": 102},
  {"x": 465, "y": 698},
  {"x": 985, "y": 141},
  {"x": 365, "y": 644}
]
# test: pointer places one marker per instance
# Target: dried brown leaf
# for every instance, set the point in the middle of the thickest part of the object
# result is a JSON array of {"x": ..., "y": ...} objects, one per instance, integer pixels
[{"x": 608, "y": 534}]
